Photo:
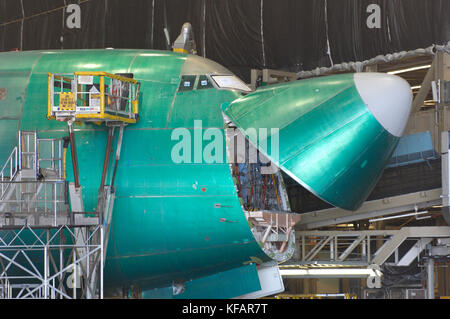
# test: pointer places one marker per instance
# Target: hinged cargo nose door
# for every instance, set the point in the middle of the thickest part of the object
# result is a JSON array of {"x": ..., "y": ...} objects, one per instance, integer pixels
[{"x": 321, "y": 133}]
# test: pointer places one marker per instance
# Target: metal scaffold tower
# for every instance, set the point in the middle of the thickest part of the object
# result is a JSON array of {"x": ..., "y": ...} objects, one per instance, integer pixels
[
  {"x": 50, "y": 247},
  {"x": 45, "y": 250}
]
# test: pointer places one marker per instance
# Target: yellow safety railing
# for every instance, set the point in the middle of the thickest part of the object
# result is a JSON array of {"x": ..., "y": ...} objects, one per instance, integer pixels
[{"x": 93, "y": 96}]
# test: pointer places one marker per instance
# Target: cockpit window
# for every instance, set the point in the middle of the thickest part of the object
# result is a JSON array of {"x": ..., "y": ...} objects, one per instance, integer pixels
[
  {"x": 230, "y": 82},
  {"x": 187, "y": 83},
  {"x": 204, "y": 83}
]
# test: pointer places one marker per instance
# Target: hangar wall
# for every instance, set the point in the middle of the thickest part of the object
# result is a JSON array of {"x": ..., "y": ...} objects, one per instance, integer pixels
[{"x": 293, "y": 35}]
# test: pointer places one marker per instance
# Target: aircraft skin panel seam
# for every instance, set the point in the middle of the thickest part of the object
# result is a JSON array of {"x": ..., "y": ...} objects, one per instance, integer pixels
[
  {"x": 22, "y": 106},
  {"x": 321, "y": 138},
  {"x": 133, "y": 60},
  {"x": 363, "y": 152},
  {"x": 299, "y": 115},
  {"x": 169, "y": 113},
  {"x": 169, "y": 252}
]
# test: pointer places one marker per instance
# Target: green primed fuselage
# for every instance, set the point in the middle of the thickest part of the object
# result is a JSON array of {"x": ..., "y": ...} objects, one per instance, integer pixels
[
  {"x": 166, "y": 222},
  {"x": 170, "y": 220}
]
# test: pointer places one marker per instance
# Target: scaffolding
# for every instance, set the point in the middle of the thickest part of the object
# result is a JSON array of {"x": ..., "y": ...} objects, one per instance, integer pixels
[
  {"x": 52, "y": 262},
  {"x": 46, "y": 250},
  {"x": 366, "y": 247}
]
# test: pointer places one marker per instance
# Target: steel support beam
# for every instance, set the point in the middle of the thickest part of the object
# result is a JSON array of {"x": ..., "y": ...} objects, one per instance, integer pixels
[
  {"x": 424, "y": 88},
  {"x": 408, "y": 232},
  {"x": 445, "y": 167},
  {"x": 312, "y": 243},
  {"x": 415, "y": 250},
  {"x": 423, "y": 121},
  {"x": 430, "y": 278},
  {"x": 349, "y": 249},
  {"x": 370, "y": 209}
]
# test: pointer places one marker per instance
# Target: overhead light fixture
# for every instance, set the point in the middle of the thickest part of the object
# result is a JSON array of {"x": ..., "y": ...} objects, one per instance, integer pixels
[
  {"x": 429, "y": 103},
  {"x": 330, "y": 273},
  {"x": 397, "y": 216},
  {"x": 416, "y": 87},
  {"x": 410, "y": 69}
]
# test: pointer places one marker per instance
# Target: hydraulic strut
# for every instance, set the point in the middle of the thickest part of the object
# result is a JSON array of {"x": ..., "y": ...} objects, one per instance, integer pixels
[{"x": 74, "y": 154}]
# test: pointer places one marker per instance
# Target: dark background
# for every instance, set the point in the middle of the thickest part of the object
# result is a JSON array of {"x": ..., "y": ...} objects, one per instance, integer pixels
[{"x": 296, "y": 34}]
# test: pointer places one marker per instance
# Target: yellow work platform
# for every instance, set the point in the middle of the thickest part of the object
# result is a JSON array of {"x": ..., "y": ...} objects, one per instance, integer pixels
[{"x": 93, "y": 97}]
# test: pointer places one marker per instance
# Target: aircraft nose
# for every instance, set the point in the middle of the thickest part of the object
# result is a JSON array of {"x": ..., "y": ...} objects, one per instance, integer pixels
[
  {"x": 388, "y": 97},
  {"x": 336, "y": 134}
]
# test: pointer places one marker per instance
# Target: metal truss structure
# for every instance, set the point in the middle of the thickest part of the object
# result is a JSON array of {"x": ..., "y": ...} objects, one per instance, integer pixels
[
  {"x": 46, "y": 250},
  {"x": 51, "y": 263},
  {"x": 367, "y": 247},
  {"x": 57, "y": 262}
]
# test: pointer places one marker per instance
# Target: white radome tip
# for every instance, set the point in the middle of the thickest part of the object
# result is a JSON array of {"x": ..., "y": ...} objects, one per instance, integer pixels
[{"x": 388, "y": 97}]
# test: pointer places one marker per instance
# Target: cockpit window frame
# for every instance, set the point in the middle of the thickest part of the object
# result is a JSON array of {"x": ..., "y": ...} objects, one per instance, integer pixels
[
  {"x": 209, "y": 84},
  {"x": 183, "y": 79},
  {"x": 216, "y": 85}
]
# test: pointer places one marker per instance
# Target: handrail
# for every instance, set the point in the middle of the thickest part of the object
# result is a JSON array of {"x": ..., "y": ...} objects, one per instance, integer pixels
[
  {"x": 118, "y": 97},
  {"x": 109, "y": 75},
  {"x": 55, "y": 156},
  {"x": 28, "y": 150},
  {"x": 13, "y": 169},
  {"x": 14, "y": 152},
  {"x": 44, "y": 199}
]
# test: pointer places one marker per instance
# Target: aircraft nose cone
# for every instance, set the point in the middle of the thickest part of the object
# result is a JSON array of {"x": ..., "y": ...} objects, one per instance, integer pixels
[
  {"x": 388, "y": 97},
  {"x": 336, "y": 133}
]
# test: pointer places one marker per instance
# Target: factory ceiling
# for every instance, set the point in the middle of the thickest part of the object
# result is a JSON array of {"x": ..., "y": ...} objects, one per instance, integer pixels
[{"x": 293, "y": 35}]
